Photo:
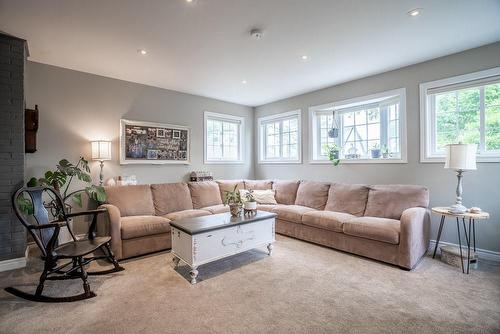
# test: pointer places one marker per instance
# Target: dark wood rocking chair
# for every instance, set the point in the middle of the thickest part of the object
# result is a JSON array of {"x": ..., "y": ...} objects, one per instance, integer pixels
[{"x": 45, "y": 232}]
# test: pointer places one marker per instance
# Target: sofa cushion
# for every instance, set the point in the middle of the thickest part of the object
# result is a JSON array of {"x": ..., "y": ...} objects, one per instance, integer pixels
[
  {"x": 228, "y": 185},
  {"x": 327, "y": 220},
  {"x": 204, "y": 194},
  {"x": 312, "y": 194},
  {"x": 380, "y": 229},
  {"x": 268, "y": 207},
  {"x": 132, "y": 200},
  {"x": 170, "y": 197},
  {"x": 348, "y": 198},
  {"x": 389, "y": 201},
  {"x": 291, "y": 213},
  {"x": 258, "y": 184},
  {"x": 140, "y": 226},
  {"x": 219, "y": 208},
  {"x": 286, "y": 191},
  {"x": 187, "y": 214}
]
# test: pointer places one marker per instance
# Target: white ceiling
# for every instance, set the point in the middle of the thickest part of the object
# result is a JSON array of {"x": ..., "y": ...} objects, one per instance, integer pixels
[{"x": 204, "y": 47}]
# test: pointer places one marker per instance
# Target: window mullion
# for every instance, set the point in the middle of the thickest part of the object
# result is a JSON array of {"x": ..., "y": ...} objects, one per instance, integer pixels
[
  {"x": 482, "y": 122},
  {"x": 281, "y": 139}
]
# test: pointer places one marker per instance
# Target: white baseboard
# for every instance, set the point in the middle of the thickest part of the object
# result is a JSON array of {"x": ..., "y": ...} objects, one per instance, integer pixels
[
  {"x": 481, "y": 253},
  {"x": 20, "y": 262}
]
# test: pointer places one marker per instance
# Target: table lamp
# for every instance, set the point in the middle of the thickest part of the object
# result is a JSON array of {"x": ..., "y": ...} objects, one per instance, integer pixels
[
  {"x": 101, "y": 150},
  {"x": 460, "y": 157}
]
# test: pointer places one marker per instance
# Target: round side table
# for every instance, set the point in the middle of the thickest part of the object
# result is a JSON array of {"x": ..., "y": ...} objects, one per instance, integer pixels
[{"x": 445, "y": 212}]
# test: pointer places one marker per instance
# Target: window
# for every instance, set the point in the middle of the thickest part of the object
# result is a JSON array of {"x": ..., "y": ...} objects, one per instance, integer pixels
[
  {"x": 279, "y": 138},
  {"x": 223, "y": 138},
  {"x": 463, "y": 109},
  {"x": 369, "y": 129}
]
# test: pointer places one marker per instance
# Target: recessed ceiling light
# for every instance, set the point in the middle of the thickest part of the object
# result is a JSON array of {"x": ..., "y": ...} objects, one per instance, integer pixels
[
  {"x": 142, "y": 52},
  {"x": 415, "y": 12},
  {"x": 244, "y": 82},
  {"x": 304, "y": 58}
]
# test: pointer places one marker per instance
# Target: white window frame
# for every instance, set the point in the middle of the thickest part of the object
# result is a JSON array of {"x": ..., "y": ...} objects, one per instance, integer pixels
[
  {"x": 262, "y": 141},
  {"x": 427, "y": 124},
  {"x": 362, "y": 100},
  {"x": 228, "y": 118}
]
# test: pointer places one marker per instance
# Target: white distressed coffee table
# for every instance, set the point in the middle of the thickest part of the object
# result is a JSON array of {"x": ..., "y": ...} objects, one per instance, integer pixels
[{"x": 201, "y": 240}]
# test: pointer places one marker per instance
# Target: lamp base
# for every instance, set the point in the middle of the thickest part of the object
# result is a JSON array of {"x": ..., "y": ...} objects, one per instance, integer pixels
[{"x": 458, "y": 208}]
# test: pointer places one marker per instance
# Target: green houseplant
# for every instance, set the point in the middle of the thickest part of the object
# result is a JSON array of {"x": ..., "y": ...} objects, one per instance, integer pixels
[
  {"x": 233, "y": 199},
  {"x": 250, "y": 202},
  {"x": 61, "y": 179},
  {"x": 385, "y": 152},
  {"x": 333, "y": 153}
]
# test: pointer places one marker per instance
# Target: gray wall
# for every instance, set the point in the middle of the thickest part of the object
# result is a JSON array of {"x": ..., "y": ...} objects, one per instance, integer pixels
[
  {"x": 12, "y": 58},
  {"x": 481, "y": 187},
  {"x": 77, "y": 107}
]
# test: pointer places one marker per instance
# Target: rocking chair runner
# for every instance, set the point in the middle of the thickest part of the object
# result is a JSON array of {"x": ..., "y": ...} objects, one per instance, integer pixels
[{"x": 45, "y": 234}]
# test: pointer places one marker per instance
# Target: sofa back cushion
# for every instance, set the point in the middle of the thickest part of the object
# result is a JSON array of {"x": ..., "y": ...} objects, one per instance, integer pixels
[
  {"x": 204, "y": 194},
  {"x": 389, "y": 201},
  {"x": 285, "y": 191},
  {"x": 228, "y": 185},
  {"x": 348, "y": 198},
  {"x": 171, "y": 197},
  {"x": 312, "y": 194},
  {"x": 258, "y": 184},
  {"x": 132, "y": 200}
]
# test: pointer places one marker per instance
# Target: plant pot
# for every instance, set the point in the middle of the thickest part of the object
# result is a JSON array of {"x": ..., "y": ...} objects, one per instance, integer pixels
[
  {"x": 335, "y": 154},
  {"x": 333, "y": 133},
  {"x": 385, "y": 155},
  {"x": 375, "y": 153},
  {"x": 250, "y": 205},
  {"x": 235, "y": 209}
]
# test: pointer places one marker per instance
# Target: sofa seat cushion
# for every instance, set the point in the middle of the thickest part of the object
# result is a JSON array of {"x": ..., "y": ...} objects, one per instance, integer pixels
[
  {"x": 291, "y": 213},
  {"x": 140, "y": 226},
  {"x": 327, "y": 220},
  {"x": 187, "y": 214},
  {"x": 380, "y": 229},
  {"x": 219, "y": 208},
  {"x": 268, "y": 207}
]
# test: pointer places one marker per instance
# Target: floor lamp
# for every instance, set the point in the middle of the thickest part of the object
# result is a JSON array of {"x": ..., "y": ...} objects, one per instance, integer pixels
[{"x": 101, "y": 150}]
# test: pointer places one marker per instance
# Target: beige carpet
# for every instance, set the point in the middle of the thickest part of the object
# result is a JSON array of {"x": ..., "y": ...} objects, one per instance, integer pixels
[{"x": 301, "y": 288}]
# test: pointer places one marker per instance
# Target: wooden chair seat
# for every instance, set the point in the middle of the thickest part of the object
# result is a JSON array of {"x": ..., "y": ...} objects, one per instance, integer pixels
[{"x": 80, "y": 247}]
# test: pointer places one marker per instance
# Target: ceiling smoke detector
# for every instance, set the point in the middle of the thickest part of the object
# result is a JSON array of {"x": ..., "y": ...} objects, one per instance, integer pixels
[{"x": 256, "y": 34}]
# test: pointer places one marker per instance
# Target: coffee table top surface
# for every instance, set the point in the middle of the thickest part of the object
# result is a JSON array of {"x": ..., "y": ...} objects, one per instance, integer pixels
[{"x": 218, "y": 221}]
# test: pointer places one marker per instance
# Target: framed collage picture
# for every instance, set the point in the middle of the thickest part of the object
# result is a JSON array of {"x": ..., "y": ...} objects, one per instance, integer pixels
[{"x": 153, "y": 143}]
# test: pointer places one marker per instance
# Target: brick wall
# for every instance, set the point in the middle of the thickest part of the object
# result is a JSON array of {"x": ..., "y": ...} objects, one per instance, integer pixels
[{"x": 12, "y": 59}]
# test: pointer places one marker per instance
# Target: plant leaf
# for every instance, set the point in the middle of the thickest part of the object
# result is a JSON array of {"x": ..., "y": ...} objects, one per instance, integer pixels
[{"x": 78, "y": 199}]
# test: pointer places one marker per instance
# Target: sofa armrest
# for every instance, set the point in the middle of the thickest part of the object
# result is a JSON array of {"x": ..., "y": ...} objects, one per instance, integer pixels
[
  {"x": 414, "y": 237},
  {"x": 110, "y": 224}
]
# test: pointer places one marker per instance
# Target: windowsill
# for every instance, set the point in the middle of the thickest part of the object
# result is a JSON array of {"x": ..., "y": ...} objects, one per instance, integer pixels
[
  {"x": 441, "y": 159},
  {"x": 361, "y": 161},
  {"x": 224, "y": 162},
  {"x": 280, "y": 162}
]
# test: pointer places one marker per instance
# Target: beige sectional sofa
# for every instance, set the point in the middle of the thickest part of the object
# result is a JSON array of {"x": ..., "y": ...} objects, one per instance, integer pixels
[{"x": 389, "y": 223}]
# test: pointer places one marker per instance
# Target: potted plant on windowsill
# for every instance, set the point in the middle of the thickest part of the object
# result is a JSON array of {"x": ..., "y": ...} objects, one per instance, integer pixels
[
  {"x": 333, "y": 154},
  {"x": 385, "y": 152},
  {"x": 250, "y": 202},
  {"x": 375, "y": 151},
  {"x": 233, "y": 199}
]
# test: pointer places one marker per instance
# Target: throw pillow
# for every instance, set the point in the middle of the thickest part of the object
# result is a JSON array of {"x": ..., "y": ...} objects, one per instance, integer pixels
[{"x": 261, "y": 196}]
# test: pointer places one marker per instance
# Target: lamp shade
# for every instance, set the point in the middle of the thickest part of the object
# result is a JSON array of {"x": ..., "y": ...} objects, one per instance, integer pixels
[
  {"x": 101, "y": 150},
  {"x": 461, "y": 156}
]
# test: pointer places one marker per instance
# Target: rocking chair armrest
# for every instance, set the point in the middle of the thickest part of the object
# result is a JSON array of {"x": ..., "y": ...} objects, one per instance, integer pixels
[
  {"x": 48, "y": 225},
  {"x": 83, "y": 213}
]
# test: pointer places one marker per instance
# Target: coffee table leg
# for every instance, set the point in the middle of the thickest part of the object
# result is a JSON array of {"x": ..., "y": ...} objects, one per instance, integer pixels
[
  {"x": 270, "y": 248},
  {"x": 193, "y": 273},
  {"x": 176, "y": 260}
]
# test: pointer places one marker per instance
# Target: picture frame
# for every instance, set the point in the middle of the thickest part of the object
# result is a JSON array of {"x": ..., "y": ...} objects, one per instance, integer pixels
[{"x": 154, "y": 143}]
